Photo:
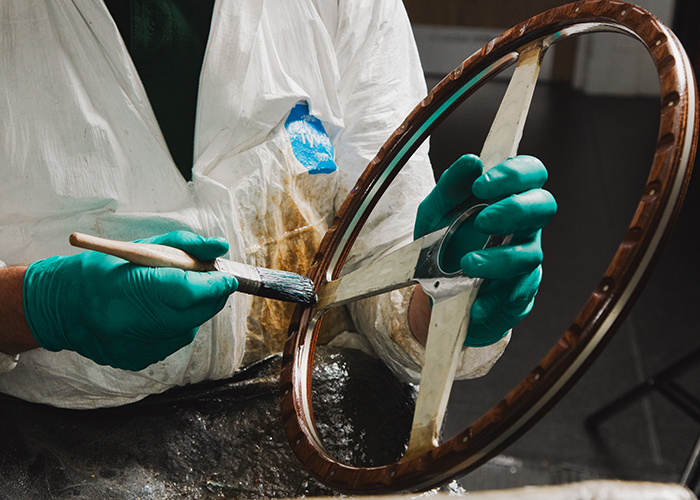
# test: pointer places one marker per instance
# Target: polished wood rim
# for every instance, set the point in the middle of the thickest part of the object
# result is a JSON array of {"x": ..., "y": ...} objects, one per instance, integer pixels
[{"x": 601, "y": 314}]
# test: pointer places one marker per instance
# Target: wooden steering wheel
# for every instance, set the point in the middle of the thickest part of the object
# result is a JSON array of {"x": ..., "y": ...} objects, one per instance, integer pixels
[{"x": 427, "y": 463}]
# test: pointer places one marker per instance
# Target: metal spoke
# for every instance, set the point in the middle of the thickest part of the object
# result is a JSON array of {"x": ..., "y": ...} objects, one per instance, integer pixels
[
  {"x": 507, "y": 128},
  {"x": 448, "y": 329},
  {"x": 389, "y": 272},
  {"x": 450, "y": 318}
]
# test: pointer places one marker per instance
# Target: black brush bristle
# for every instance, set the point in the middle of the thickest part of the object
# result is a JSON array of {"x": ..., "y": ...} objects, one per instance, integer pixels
[{"x": 289, "y": 287}]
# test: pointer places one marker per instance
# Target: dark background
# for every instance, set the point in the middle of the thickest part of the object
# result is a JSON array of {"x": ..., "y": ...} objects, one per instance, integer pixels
[{"x": 598, "y": 151}]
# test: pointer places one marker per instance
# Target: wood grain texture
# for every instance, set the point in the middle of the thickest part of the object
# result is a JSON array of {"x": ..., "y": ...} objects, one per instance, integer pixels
[{"x": 600, "y": 315}]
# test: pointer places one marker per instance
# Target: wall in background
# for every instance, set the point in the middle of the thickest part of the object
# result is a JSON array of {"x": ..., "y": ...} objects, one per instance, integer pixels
[
  {"x": 619, "y": 65},
  {"x": 482, "y": 13},
  {"x": 448, "y": 34},
  {"x": 610, "y": 64}
]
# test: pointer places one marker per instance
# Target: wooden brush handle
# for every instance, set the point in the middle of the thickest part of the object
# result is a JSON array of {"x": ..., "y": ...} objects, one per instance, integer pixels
[{"x": 143, "y": 254}]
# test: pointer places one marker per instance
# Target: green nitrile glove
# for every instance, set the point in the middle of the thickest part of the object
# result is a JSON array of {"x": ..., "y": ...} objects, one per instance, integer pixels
[
  {"x": 121, "y": 314},
  {"x": 512, "y": 272}
]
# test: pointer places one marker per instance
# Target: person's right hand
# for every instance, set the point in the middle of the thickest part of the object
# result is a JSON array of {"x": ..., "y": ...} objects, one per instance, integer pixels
[
  {"x": 120, "y": 314},
  {"x": 512, "y": 272}
]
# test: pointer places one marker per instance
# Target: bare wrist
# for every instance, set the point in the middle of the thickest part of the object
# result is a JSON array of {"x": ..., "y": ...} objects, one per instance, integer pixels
[
  {"x": 15, "y": 335},
  {"x": 419, "y": 311}
]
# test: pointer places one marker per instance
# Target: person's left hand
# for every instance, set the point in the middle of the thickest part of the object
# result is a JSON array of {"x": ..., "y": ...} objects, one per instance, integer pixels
[{"x": 511, "y": 272}]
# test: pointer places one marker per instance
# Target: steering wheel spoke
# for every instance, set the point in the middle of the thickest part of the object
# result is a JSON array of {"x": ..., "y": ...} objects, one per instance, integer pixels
[
  {"x": 507, "y": 128},
  {"x": 446, "y": 334},
  {"x": 388, "y": 272}
]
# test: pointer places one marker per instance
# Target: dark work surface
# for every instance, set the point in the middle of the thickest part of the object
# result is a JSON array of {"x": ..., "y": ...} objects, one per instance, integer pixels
[
  {"x": 598, "y": 152},
  {"x": 222, "y": 439}
]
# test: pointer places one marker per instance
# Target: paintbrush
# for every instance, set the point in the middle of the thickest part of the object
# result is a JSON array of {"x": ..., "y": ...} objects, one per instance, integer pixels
[{"x": 260, "y": 281}]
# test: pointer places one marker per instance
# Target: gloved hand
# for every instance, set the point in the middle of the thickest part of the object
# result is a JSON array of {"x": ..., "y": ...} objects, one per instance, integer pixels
[
  {"x": 512, "y": 272},
  {"x": 121, "y": 314}
]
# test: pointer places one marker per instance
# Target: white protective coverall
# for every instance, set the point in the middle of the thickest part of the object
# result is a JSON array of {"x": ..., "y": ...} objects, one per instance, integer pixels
[{"x": 81, "y": 151}]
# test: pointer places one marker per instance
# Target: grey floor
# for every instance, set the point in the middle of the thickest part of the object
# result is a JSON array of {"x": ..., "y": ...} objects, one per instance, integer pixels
[{"x": 598, "y": 153}]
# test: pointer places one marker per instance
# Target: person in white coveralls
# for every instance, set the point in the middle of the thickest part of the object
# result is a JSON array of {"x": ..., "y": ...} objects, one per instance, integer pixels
[{"x": 220, "y": 127}]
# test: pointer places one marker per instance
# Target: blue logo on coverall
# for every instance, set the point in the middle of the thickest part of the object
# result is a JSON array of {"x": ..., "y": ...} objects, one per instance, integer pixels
[{"x": 310, "y": 142}]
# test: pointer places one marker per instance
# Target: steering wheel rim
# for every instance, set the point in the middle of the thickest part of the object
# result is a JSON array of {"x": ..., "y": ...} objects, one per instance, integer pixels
[{"x": 602, "y": 313}]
